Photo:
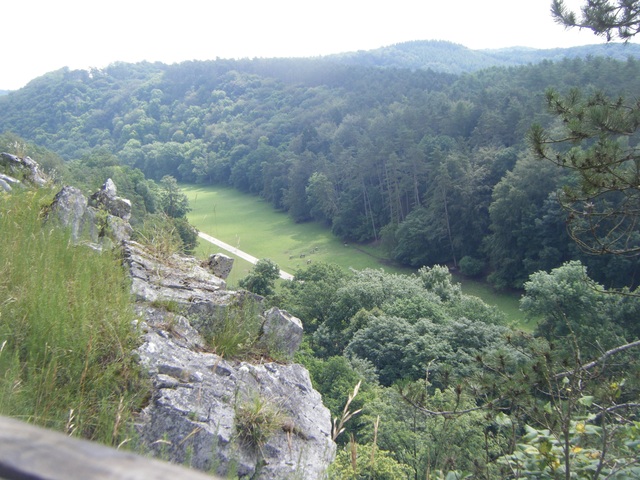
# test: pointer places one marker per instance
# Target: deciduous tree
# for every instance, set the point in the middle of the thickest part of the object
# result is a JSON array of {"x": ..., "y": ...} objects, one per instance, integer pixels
[
  {"x": 174, "y": 203},
  {"x": 262, "y": 278}
]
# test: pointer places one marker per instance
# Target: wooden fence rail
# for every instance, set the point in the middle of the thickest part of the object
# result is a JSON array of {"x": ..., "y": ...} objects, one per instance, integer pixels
[{"x": 32, "y": 453}]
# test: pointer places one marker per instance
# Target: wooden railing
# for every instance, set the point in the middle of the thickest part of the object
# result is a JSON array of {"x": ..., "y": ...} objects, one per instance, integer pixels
[{"x": 32, "y": 453}]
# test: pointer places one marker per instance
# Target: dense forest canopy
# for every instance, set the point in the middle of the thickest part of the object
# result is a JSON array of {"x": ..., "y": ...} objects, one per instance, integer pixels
[{"x": 430, "y": 163}]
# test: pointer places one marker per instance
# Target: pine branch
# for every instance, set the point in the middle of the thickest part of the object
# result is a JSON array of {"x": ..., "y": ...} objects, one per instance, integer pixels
[{"x": 599, "y": 360}]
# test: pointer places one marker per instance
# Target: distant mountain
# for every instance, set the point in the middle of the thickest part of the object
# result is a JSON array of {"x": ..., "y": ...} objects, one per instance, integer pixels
[
  {"x": 450, "y": 57},
  {"x": 4, "y": 92},
  {"x": 524, "y": 56}
]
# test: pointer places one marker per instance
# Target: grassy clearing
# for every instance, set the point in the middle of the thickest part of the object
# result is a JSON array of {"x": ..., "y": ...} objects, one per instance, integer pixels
[
  {"x": 250, "y": 224},
  {"x": 65, "y": 328}
]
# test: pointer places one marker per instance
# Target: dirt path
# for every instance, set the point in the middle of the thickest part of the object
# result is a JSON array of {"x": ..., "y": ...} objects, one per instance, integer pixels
[{"x": 244, "y": 255}]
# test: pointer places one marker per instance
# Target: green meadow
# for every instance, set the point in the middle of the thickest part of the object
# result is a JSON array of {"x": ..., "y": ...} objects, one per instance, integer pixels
[{"x": 250, "y": 224}]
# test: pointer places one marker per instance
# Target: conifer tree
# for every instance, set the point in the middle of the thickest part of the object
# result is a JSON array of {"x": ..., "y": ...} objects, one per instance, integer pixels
[
  {"x": 598, "y": 141},
  {"x": 609, "y": 18}
]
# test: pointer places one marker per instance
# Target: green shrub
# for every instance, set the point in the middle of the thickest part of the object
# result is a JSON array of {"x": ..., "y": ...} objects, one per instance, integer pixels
[
  {"x": 471, "y": 267},
  {"x": 356, "y": 462},
  {"x": 262, "y": 278},
  {"x": 187, "y": 233}
]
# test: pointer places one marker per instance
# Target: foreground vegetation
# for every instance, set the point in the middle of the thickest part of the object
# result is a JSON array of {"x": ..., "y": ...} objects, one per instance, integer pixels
[
  {"x": 448, "y": 387},
  {"x": 66, "y": 331}
]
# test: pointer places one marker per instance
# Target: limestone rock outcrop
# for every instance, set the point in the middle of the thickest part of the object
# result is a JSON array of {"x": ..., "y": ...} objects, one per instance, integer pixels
[
  {"x": 177, "y": 279},
  {"x": 108, "y": 199},
  {"x": 195, "y": 411},
  {"x": 281, "y": 332},
  {"x": 23, "y": 167},
  {"x": 70, "y": 208},
  {"x": 193, "y": 414},
  {"x": 7, "y": 182},
  {"x": 101, "y": 221}
]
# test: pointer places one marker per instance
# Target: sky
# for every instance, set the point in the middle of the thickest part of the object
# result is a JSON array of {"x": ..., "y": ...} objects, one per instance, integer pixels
[{"x": 39, "y": 36}]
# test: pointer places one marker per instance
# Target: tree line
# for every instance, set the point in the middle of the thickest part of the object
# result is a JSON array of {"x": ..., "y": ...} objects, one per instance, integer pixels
[{"x": 435, "y": 166}]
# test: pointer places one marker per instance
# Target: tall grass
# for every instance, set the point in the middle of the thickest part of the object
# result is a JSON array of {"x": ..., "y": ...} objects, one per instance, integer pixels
[{"x": 65, "y": 328}]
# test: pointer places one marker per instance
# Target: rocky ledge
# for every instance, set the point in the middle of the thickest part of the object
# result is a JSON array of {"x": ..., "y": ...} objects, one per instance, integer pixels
[
  {"x": 198, "y": 397},
  {"x": 254, "y": 419}
]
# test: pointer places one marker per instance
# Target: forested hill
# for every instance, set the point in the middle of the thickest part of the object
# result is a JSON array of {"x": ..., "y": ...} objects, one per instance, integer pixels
[
  {"x": 433, "y": 164},
  {"x": 449, "y": 57}
]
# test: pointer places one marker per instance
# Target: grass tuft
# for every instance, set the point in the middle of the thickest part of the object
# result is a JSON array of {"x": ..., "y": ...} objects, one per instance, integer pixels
[
  {"x": 257, "y": 419},
  {"x": 235, "y": 331},
  {"x": 159, "y": 235}
]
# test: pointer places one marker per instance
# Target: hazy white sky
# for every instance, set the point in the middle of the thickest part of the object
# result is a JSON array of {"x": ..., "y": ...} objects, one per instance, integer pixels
[{"x": 39, "y": 36}]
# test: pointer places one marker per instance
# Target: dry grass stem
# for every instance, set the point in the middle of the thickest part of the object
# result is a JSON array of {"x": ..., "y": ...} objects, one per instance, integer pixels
[{"x": 338, "y": 425}]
